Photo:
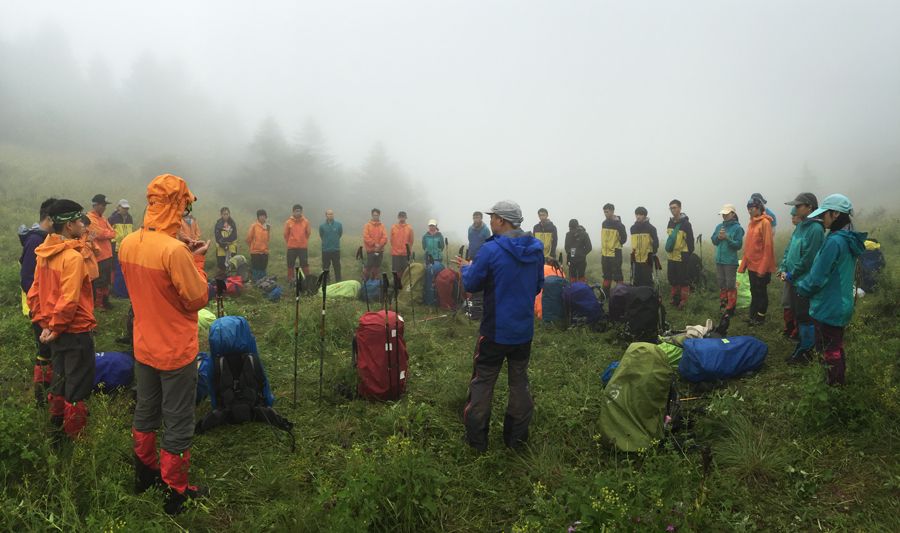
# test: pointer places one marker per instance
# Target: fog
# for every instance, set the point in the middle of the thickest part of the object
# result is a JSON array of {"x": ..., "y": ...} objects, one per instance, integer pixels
[{"x": 443, "y": 107}]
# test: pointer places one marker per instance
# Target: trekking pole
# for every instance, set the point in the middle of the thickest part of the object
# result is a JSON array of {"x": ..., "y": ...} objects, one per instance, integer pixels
[
  {"x": 297, "y": 281},
  {"x": 323, "y": 281},
  {"x": 447, "y": 251},
  {"x": 560, "y": 263},
  {"x": 387, "y": 330},
  {"x": 359, "y": 257},
  {"x": 220, "y": 298},
  {"x": 458, "y": 302},
  {"x": 412, "y": 305}
]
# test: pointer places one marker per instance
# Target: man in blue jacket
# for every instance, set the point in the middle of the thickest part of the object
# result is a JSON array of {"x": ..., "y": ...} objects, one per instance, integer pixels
[
  {"x": 510, "y": 271},
  {"x": 478, "y": 233}
]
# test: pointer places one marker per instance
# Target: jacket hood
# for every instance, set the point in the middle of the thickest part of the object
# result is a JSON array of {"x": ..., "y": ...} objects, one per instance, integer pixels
[
  {"x": 856, "y": 241},
  {"x": 167, "y": 197},
  {"x": 55, "y": 244},
  {"x": 25, "y": 233},
  {"x": 683, "y": 218},
  {"x": 522, "y": 246},
  {"x": 764, "y": 215}
]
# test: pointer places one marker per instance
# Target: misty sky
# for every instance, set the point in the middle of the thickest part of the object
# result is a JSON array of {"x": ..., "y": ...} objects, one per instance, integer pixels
[{"x": 562, "y": 104}]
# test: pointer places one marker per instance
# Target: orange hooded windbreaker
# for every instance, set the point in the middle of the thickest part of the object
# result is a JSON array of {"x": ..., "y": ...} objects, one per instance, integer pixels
[
  {"x": 166, "y": 282},
  {"x": 90, "y": 251},
  {"x": 258, "y": 238},
  {"x": 61, "y": 297},
  {"x": 192, "y": 230},
  {"x": 296, "y": 232},
  {"x": 759, "y": 246},
  {"x": 103, "y": 234},
  {"x": 374, "y": 236},
  {"x": 401, "y": 235}
]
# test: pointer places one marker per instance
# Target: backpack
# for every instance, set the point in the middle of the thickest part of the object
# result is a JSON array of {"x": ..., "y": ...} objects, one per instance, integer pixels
[
  {"x": 275, "y": 294},
  {"x": 266, "y": 284},
  {"x": 342, "y": 289},
  {"x": 370, "y": 291},
  {"x": 640, "y": 309},
  {"x": 715, "y": 359},
  {"x": 446, "y": 285},
  {"x": 871, "y": 262},
  {"x": 410, "y": 282},
  {"x": 430, "y": 294},
  {"x": 553, "y": 308},
  {"x": 381, "y": 366},
  {"x": 112, "y": 370},
  {"x": 583, "y": 305},
  {"x": 694, "y": 271},
  {"x": 640, "y": 399},
  {"x": 236, "y": 381}
]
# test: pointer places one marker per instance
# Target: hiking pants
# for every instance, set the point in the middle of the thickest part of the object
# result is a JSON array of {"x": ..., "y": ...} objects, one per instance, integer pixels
[
  {"x": 166, "y": 398},
  {"x": 332, "y": 261},
  {"x": 73, "y": 366},
  {"x": 676, "y": 271},
  {"x": 258, "y": 265},
  {"x": 800, "y": 307},
  {"x": 759, "y": 295},
  {"x": 577, "y": 269},
  {"x": 643, "y": 274},
  {"x": 373, "y": 265},
  {"x": 726, "y": 275},
  {"x": 399, "y": 263},
  {"x": 298, "y": 254},
  {"x": 106, "y": 270},
  {"x": 488, "y": 361},
  {"x": 612, "y": 267},
  {"x": 830, "y": 342}
]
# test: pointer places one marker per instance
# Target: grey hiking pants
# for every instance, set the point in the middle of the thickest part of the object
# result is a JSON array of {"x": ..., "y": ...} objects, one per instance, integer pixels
[
  {"x": 166, "y": 398},
  {"x": 488, "y": 361}
]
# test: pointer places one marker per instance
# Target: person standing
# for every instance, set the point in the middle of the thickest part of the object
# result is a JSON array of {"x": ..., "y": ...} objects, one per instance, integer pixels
[
  {"x": 102, "y": 235},
  {"x": 478, "y": 233},
  {"x": 62, "y": 305},
  {"x": 331, "y": 232},
  {"x": 296, "y": 239},
  {"x": 679, "y": 247},
  {"x": 258, "y": 242},
  {"x": 578, "y": 246},
  {"x": 374, "y": 241},
  {"x": 122, "y": 223},
  {"x": 509, "y": 270},
  {"x": 167, "y": 285},
  {"x": 759, "y": 259},
  {"x": 728, "y": 238},
  {"x": 433, "y": 242},
  {"x": 401, "y": 241},
  {"x": 644, "y": 245},
  {"x": 225, "y": 233},
  {"x": 612, "y": 236},
  {"x": 545, "y": 231},
  {"x": 190, "y": 227},
  {"x": 829, "y": 285}
]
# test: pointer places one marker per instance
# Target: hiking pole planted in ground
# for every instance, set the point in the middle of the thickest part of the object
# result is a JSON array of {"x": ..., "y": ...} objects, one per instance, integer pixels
[
  {"x": 412, "y": 304},
  {"x": 396, "y": 332},
  {"x": 297, "y": 281},
  {"x": 458, "y": 302},
  {"x": 220, "y": 297},
  {"x": 446, "y": 251},
  {"x": 365, "y": 276},
  {"x": 323, "y": 281},
  {"x": 387, "y": 331}
]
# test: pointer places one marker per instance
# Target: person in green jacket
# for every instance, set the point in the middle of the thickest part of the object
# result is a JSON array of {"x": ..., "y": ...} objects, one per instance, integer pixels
[
  {"x": 728, "y": 238},
  {"x": 829, "y": 285},
  {"x": 331, "y": 232},
  {"x": 806, "y": 241},
  {"x": 433, "y": 242}
]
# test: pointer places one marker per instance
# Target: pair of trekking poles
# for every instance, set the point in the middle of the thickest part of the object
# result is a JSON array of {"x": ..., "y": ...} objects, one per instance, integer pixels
[{"x": 298, "y": 282}]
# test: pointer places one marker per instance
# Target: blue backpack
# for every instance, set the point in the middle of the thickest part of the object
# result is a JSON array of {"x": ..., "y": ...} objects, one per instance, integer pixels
[
  {"x": 715, "y": 359},
  {"x": 430, "y": 295},
  {"x": 583, "y": 305},
  {"x": 553, "y": 307},
  {"x": 112, "y": 370},
  {"x": 370, "y": 291}
]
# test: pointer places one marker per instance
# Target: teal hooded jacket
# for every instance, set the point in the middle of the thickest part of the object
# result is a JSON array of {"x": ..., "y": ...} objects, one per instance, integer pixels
[
  {"x": 829, "y": 285},
  {"x": 727, "y": 249},
  {"x": 805, "y": 243}
]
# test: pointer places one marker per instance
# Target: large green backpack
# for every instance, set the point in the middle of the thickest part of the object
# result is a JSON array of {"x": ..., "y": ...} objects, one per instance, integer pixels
[{"x": 638, "y": 398}]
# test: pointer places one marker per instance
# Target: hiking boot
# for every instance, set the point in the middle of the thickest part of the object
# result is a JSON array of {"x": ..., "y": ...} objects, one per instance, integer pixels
[
  {"x": 145, "y": 477},
  {"x": 175, "y": 500},
  {"x": 799, "y": 357}
]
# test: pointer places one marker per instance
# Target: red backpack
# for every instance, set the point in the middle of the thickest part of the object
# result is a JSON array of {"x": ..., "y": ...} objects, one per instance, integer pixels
[
  {"x": 446, "y": 283},
  {"x": 381, "y": 366}
]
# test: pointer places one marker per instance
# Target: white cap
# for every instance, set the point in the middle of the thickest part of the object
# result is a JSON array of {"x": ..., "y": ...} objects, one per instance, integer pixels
[
  {"x": 432, "y": 222},
  {"x": 124, "y": 203},
  {"x": 727, "y": 208}
]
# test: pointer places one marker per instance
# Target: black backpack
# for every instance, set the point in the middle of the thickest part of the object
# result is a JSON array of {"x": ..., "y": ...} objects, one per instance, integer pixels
[{"x": 641, "y": 311}]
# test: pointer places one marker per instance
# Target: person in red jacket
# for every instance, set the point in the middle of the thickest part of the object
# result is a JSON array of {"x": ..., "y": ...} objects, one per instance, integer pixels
[
  {"x": 296, "y": 237},
  {"x": 167, "y": 286},
  {"x": 374, "y": 241},
  {"x": 62, "y": 305},
  {"x": 759, "y": 259},
  {"x": 401, "y": 241},
  {"x": 102, "y": 234}
]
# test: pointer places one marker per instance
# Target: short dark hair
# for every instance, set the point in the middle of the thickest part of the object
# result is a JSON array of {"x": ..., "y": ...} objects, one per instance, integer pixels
[
  {"x": 45, "y": 206},
  {"x": 375, "y": 210},
  {"x": 641, "y": 211},
  {"x": 401, "y": 214},
  {"x": 478, "y": 214},
  {"x": 261, "y": 212},
  {"x": 224, "y": 208},
  {"x": 573, "y": 223},
  {"x": 296, "y": 207},
  {"x": 543, "y": 210},
  {"x": 609, "y": 207},
  {"x": 675, "y": 202}
]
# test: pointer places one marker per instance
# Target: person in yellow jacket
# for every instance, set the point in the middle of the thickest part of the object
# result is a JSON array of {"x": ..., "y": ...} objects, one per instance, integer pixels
[
  {"x": 258, "y": 241},
  {"x": 167, "y": 286},
  {"x": 679, "y": 247},
  {"x": 612, "y": 236}
]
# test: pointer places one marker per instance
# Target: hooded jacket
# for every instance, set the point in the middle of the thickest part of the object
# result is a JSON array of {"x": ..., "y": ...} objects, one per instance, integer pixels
[
  {"x": 258, "y": 238},
  {"x": 830, "y": 282},
  {"x": 225, "y": 233},
  {"x": 644, "y": 241},
  {"x": 30, "y": 239},
  {"x": 612, "y": 237},
  {"x": 190, "y": 227},
  {"x": 727, "y": 249},
  {"x": 90, "y": 251},
  {"x": 578, "y": 244},
  {"x": 103, "y": 235},
  {"x": 296, "y": 232},
  {"x": 805, "y": 243},
  {"x": 166, "y": 282},
  {"x": 510, "y": 271},
  {"x": 401, "y": 236},
  {"x": 759, "y": 247},
  {"x": 682, "y": 241},
  {"x": 374, "y": 236},
  {"x": 546, "y": 233},
  {"x": 61, "y": 297},
  {"x": 433, "y": 245},
  {"x": 122, "y": 225}
]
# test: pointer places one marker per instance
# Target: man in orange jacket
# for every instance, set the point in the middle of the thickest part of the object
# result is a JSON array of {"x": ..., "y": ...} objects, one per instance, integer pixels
[
  {"x": 62, "y": 306},
  {"x": 759, "y": 259},
  {"x": 167, "y": 286},
  {"x": 374, "y": 241},
  {"x": 401, "y": 240},
  {"x": 258, "y": 241},
  {"x": 103, "y": 235},
  {"x": 296, "y": 237}
]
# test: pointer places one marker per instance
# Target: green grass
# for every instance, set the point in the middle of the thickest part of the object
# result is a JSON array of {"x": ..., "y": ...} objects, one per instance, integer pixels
[{"x": 785, "y": 453}]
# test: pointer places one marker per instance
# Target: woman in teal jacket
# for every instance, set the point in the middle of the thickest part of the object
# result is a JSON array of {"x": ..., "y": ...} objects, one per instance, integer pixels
[
  {"x": 728, "y": 238},
  {"x": 830, "y": 282},
  {"x": 433, "y": 242}
]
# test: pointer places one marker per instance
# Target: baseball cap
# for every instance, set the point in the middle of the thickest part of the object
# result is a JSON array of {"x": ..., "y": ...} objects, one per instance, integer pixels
[
  {"x": 99, "y": 199},
  {"x": 507, "y": 210},
  {"x": 805, "y": 198},
  {"x": 727, "y": 208},
  {"x": 834, "y": 202},
  {"x": 124, "y": 203},
  {"x": 432, "y": 222}
]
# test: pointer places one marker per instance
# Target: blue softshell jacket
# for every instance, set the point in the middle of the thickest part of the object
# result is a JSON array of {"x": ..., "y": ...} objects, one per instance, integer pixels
[{"x": 830, "y": 282}]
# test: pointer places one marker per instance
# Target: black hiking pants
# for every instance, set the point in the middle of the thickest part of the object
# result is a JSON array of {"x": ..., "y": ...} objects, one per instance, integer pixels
[
  {"x": 73, "y": 366},
  {"x": 488, "y": 362},
  {"x": 643, "y": 274},
  {"x": 759, "y": 295},
  {"x": 332, "y": 261}
]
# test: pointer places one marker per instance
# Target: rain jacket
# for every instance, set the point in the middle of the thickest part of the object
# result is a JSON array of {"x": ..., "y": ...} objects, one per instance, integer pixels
[
  {"x": 226, "y": 237},
  {"x": 477, "y": 236},
  {"x": 296, "y": 232},
  {"x": 759, "y": 248},
  {"x": 612, "y": 237},
  {"x": 331, "y": 234},
  {"x": 30, "y": 238},
  {"x": 433, "y": 245},
  {"x": 829, "y": 285},
  {"x": 89, "y": 252},
  {"x": 191, "y": 228},
  {"x": 727, "y": 249},
  {"x": 258, "y": 238},
  {"x": 61, "y": 297},
  {"x": 166, "y": 282},
  {"x": 510, "y": 271},
  {"x": 805, "y": 243},
  {"x": 401, "y": 236},
  {"x": 103, "y": 235},
  {"x": 644, "y": 241},
  {"x": 122, "y": 225},
  {"x": 578, "y": 244},
  {"x": 680, "y": 243},
  {"x": 374, "y": 236},
  {"x": 546, "y": 233}
]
